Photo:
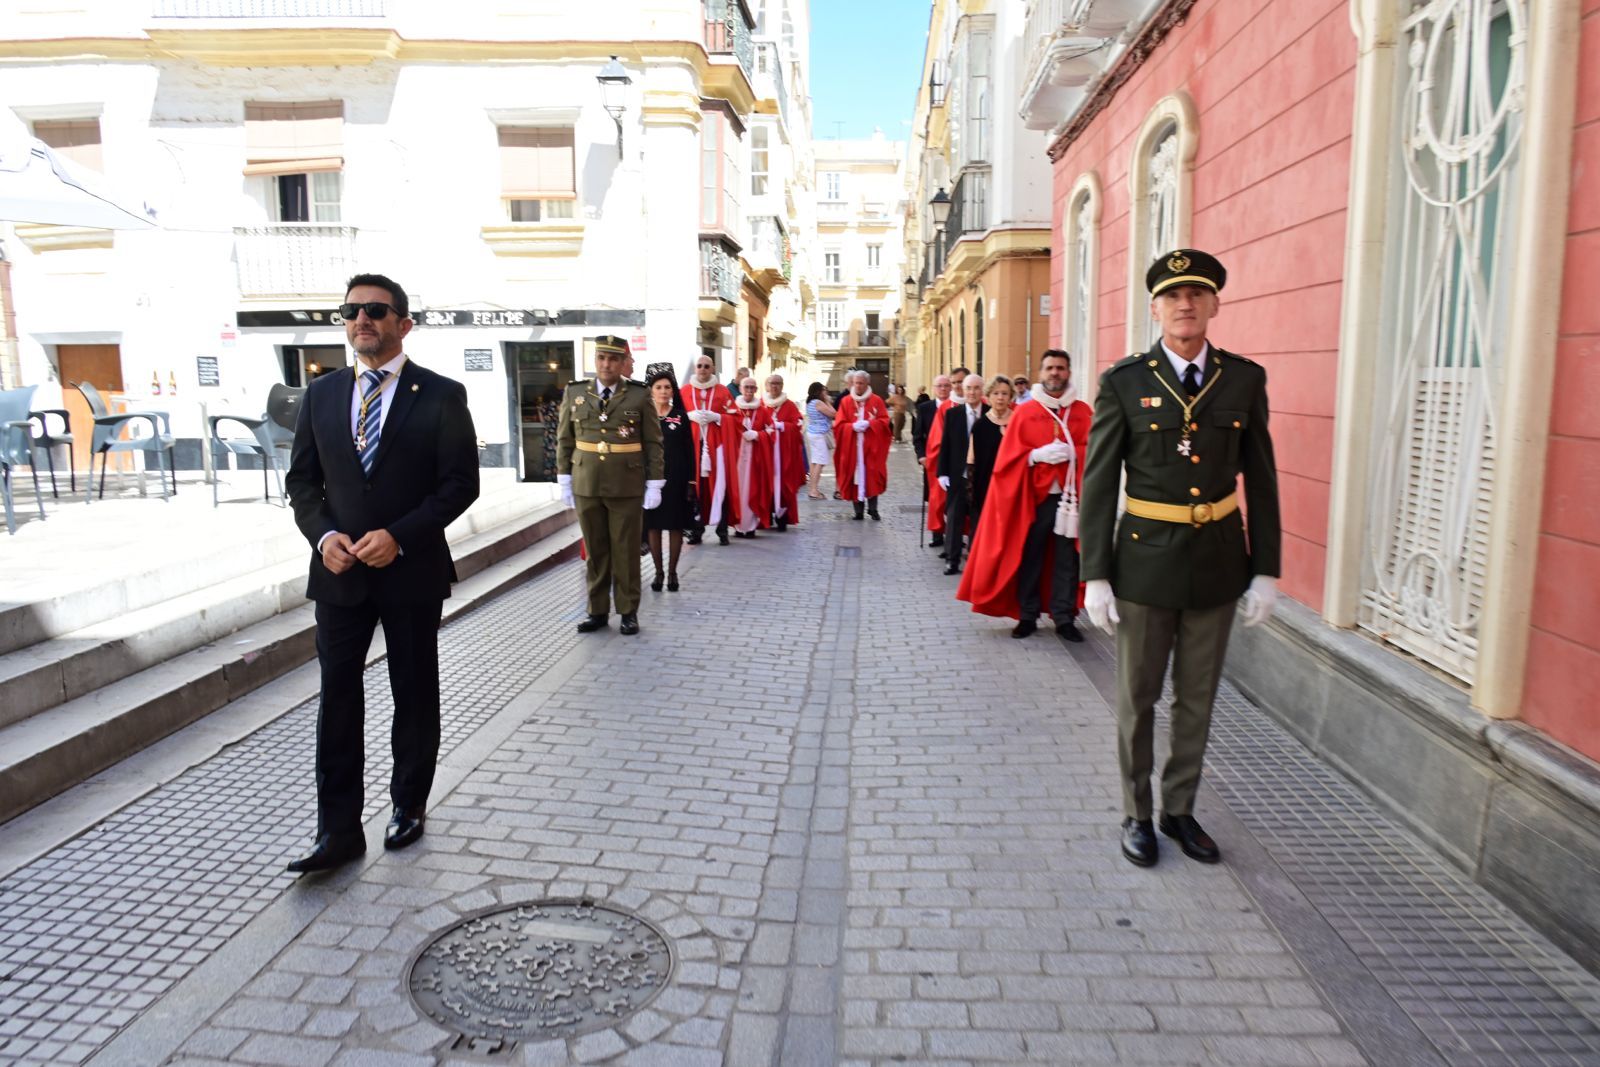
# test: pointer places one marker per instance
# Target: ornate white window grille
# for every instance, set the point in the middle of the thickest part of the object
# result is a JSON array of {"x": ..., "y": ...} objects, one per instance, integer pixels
[
  {"x": 1161, "y": 211},
  {"x": 1457, "y": 143},
  {"x": 1083, "y": 279}
]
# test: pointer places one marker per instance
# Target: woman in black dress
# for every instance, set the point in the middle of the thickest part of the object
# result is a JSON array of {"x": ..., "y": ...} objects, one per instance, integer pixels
[
  {"x": 984, "y": 443},
  {"x": 679, "y": 509}
]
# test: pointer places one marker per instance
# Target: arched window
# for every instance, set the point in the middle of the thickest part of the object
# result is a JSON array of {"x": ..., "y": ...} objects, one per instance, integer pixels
[
  {"x": 977, "y": 338},
  {"x": 962, "y": 339},
  {"x": 1081, "y": 284},
  {"x": 1160, "y": 188}
]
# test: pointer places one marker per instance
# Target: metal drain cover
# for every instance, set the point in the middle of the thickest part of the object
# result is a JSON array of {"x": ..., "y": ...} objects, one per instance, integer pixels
[{"x": 544, "y": 970}]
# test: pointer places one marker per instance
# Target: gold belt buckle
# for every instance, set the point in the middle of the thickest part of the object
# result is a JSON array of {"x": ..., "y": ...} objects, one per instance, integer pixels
[
  {"x": 605, "y": 446},
  {"x": 1200, "y": 513}
]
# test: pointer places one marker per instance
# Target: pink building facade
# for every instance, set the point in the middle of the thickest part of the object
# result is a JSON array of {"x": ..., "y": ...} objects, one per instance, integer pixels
[{"x": 1410, "y": 241}]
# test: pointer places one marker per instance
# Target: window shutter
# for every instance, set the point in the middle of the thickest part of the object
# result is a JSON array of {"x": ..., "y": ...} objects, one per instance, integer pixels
[
  {"x": 536, "y": 163},
  {"x": 294, "y": 138},
  {"x": 75, "y": 139}
]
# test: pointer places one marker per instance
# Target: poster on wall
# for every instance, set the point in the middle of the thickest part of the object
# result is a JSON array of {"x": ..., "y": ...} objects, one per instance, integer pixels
[
  {"x": 207, "y": 370},
  {"x": 479, "y": 358}
]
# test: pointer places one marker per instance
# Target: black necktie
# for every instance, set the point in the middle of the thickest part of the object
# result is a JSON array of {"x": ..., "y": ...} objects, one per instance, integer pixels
[
  {"x": 605, "y": 394},
  {"x": 1191, "y": 379}
]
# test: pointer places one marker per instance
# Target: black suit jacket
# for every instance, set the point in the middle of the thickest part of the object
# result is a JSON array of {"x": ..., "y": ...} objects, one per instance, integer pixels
[
  {"x": 924, "y": 421},
  {"x": 424, "y": 476},
  {"x": 953, "y": 446}
]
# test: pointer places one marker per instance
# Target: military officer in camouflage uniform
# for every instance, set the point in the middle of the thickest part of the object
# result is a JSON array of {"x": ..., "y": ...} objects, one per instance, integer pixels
[
  {"x": 610, "y": 466},
  {"x": 1183, "y": 420}
]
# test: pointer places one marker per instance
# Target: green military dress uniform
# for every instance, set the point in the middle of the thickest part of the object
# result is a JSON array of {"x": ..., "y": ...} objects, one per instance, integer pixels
[
  {"x": 1180, "y": 558},
  {"x": 610, "y": 448}
]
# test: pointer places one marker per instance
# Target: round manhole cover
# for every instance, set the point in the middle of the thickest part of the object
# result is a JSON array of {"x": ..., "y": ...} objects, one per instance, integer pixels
[{"x": 549, "y": 969}]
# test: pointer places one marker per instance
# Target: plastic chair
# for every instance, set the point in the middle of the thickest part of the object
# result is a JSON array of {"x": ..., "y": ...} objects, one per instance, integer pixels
[
  {"x": 16, "y": 448},
  {"x": 48, "y": 441},
  {"x": 106, "y": 439},
  {"x": 271, "y": 434}
]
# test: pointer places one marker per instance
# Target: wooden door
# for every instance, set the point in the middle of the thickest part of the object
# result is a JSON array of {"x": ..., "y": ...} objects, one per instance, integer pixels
[{"x": 100, "y": 366}]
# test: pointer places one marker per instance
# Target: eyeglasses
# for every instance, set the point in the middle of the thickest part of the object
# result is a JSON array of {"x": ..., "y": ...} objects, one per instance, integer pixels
[{"x": 376, "y": 310}]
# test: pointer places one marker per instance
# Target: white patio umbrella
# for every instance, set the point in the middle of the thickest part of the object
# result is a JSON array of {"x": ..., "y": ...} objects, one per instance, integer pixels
[{"x": 38, "y": 185}]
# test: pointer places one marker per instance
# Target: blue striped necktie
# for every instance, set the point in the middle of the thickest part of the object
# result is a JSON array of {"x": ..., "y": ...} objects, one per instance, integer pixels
[{"x": 372, "y": 423}]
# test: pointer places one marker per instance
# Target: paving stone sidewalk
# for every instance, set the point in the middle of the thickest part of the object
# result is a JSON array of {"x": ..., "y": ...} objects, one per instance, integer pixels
[{"x": 874, "y": 827}]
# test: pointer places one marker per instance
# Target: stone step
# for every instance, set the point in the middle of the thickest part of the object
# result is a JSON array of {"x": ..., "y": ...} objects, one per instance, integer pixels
[
  {"x": 72, "y": 665},
  {"x": 161, "y": 573},
  {"x": 59, "y": 747}
]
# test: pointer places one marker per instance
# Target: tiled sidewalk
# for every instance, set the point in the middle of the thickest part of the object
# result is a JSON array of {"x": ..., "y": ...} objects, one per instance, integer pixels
[{"x": 875, "y": 828}]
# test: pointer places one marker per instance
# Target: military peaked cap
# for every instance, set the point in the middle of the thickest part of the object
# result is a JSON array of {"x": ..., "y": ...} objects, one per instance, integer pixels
[
  {"x": 1185, "y": 266},
  {"x": 611, "y": 343}
]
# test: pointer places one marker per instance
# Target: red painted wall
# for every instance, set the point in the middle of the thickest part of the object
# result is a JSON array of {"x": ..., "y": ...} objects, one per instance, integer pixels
[
  {"x": 1274, "y": 86},
  {"x": 1564, "y": 650}
]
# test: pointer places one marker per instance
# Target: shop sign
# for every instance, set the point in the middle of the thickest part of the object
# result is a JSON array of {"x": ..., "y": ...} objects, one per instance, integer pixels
[{"x": 447, "y": 317}]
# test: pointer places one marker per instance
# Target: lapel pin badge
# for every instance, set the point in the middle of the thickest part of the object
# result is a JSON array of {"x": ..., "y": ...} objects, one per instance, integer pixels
[{"x": 414, "y": 387}]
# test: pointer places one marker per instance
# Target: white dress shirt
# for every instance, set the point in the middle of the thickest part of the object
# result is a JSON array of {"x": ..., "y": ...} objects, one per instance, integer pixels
[{"x": 1180, "y": 365}]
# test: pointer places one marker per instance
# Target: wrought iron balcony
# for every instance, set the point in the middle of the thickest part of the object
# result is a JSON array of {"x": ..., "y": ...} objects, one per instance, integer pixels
[
  {"x": 880, "y": 338},
  {"x": 969, "y": 209},
  {"x": 728, "y": 26},
  {"x": 294, "y": 259},
  {"x": 719, "y": 271},
  {"x": 1072, "y": 42}
]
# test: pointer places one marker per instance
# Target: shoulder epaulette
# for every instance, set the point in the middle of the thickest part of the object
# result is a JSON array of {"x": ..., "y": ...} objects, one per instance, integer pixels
[
  {"x": 1127, "y": 361},
  {"x": 1224, "y": 353}
]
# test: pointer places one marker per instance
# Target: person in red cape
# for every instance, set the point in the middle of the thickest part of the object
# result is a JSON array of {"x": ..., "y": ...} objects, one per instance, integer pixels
[
  {"x": 786, "y": 440},
  {"x": 862, "y": 459},
  {"x": 938, "y": 499},
  {"x": 706, "y": 402},
  {"x": 1025, "y": 553},
  {"x": 752, "y": 462}
]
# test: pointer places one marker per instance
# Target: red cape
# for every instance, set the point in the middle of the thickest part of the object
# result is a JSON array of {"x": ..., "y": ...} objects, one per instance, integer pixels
[
  {"x": 876, "y": 437},
  {"x": 759, "y": 501},
  {"x": 989, "y": 582},
  {"x": 936, "y": 495},
  {"x": 789, "y": 457},
  {"x": 711, "y": 439}
]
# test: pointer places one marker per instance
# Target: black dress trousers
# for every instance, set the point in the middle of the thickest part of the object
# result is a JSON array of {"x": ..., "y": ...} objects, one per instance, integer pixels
[{"x": 1063, "y": 574}]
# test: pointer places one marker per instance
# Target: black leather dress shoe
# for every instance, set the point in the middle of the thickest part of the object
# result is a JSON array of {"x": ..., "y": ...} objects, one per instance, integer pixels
[
  {"x": 330, "y": 851},
  {"x": 1139, "y": 842},
  {"x": 722, "y": 535},
  {"x": 1068, "y": 631},
  {"x": 872, "y": 509},
  {"x": 953, "y": 568},
  {"x": 591, "y": 624},
  {"x": 937, "y": 541},
  {"x": 1025, "y": 628},
  {"x": 1195, "y": 842},
  {"x": 404, "y": 828},
  {"x": 630, "y": 624},
  {"x": 861, "y": 511}
]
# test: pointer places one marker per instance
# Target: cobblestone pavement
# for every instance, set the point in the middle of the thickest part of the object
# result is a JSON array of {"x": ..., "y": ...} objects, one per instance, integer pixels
[{"x": 874, "y": 828}]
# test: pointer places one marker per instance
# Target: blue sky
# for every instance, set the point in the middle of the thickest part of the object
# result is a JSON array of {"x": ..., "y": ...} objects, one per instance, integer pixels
[{"x": 866, "y": 64}]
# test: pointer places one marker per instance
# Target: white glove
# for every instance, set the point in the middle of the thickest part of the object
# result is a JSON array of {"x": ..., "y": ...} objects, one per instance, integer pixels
[
  {"x": 944, "y": 482},
  {"x": 750, "y": 435},
  {"x": 861, "y": 425},
  {"x": 1054, "y": 452},
  {"x": 1259, "y": 600},
  {"x": 564, "y": 481},
  {"x": 1101, "y": 604},
  {"x": 699, "y": 416},
  {"x": 714, "y": 418},
  {"x": 777, "y": 427},
  {"x": 652, "y": 493}
]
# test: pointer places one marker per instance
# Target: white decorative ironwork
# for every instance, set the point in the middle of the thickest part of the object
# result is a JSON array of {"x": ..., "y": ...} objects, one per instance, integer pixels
[
  {"x": 1457, "y": 139},
  {"x": 1161, "y": 210},
  {"x": 294, "y": 259},
  {"x": 1083, "y": 266}
]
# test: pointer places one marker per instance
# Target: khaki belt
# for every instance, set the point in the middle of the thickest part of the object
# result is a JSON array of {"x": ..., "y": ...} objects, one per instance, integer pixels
[
  {"x": 606, "y": 447},
  {"x": 1199, "y": 514}
]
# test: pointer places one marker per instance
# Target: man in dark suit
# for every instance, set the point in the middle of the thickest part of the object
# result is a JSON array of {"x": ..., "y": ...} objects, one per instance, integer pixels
[
  {"x": 1182, "y": 421},
  {"x": 952, "y": 467},
  {"x": 384, "y": 459}
]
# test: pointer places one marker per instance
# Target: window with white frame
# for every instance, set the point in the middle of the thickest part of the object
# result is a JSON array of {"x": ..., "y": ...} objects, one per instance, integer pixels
[
  {"x": 719, "y": 172},
  {"x": 874, "y": 257},
  {"x": 832, "y": 267},
  {"x": 760, "y": 159},
  {"x": 1160, "y": 209},
  {"x": 537, "y": 176},
  {"x": 979, "y": 44},
  {"x": 832, "y": 185},
  {"x": 1456, "y": 142},
  {"x": 832, "y": 315},
  {"x": 294, "y": 153}
]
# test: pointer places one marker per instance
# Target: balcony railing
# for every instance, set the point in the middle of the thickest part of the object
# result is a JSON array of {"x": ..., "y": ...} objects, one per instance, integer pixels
[
  {"x": 969, "y": 208},
  {"x": 1072, "y": 40},
  {"x": 719, "y": 272},
  {"x": 728, "y": 27},
  {"x": 294, "y": 259},
  {"x": 269, "y": 9},
  {"x": 880, "y": 338},
  {"x": 771, "y": 82}
]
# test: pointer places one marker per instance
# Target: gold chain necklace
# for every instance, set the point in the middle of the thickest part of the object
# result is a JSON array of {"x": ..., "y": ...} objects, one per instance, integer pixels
[
  {"x": 366, "y": 402},
  {"x": 1184, "y": 444}
]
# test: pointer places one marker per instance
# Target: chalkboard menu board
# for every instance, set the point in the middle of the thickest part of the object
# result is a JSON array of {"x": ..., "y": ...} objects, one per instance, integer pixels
[
  {"x": 207, "y": 370},
  {"x": 479, "y": 358}
]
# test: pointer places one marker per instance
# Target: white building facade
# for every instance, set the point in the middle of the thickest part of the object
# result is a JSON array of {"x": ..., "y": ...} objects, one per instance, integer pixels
[{"x": 468, "y": 151}]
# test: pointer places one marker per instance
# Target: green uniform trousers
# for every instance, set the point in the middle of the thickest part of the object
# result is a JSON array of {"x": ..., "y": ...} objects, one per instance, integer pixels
[
  {"x": 1196, "y": 641},
  {"x": 612, "y": 528}
]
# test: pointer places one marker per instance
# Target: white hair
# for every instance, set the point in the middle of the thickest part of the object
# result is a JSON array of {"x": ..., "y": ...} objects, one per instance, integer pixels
[{"x": 969, "y": 379}]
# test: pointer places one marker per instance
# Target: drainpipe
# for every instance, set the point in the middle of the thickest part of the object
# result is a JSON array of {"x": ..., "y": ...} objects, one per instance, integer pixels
[{"x": 1027, "y": 335}]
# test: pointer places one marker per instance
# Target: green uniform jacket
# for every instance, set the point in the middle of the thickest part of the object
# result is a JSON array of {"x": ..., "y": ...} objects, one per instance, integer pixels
[
  {"x": 1137, "y": 424},
  {"x": 630, "y": 419}
]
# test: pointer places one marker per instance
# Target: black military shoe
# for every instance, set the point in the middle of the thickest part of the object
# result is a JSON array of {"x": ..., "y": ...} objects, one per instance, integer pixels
[
  {"x": 1068, "y": 631},
  {"x": 1139, "y": 842},
  {"x": 1025, "y": 628},
  {"x": 872, "y": 509},
  {"x": 953, "y": 568},
  {"x": 404, "y": 828},
  {"x": 722, "y": 535},
  {"x": 330, "y": 851},
  {"x": 861, "y": 511},
  {"x": 591, "y": 624},
  {"x": 937, "y": 542},
  {"x": 1195, "y": 842},
  {"x": 630, "y": 624}
]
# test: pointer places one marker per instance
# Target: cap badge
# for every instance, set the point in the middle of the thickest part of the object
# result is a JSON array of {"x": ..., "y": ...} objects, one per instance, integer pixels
[{"x": 1178, "y": 262}]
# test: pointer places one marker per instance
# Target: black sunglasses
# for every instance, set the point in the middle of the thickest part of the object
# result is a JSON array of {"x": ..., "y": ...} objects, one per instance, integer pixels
[{"x": 376, "y": 310}]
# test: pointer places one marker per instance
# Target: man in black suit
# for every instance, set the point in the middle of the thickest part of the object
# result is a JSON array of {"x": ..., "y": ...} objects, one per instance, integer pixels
[
  {"x": 953, "y": 467},
  {"x": 384, "y": 459}
]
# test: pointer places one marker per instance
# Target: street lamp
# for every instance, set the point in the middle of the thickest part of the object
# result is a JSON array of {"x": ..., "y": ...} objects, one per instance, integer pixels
[
  {"x": 910, "y": 286},
  {"x": 614, "y": 82},
  {"x": 941, "y": 207}
]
